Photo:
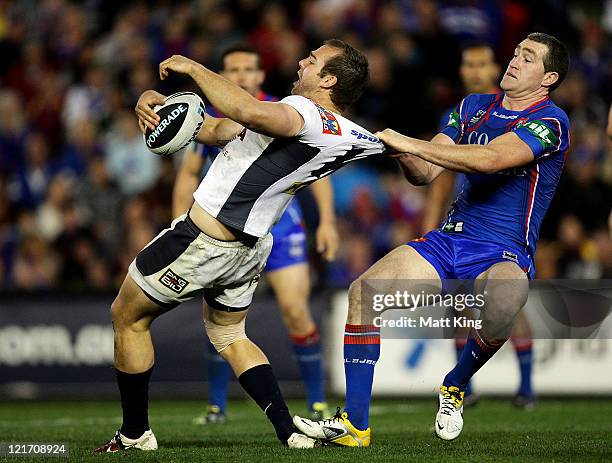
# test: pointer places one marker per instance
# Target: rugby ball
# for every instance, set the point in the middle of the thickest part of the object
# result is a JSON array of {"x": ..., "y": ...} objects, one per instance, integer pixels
[{"x": 181, "y": 118}]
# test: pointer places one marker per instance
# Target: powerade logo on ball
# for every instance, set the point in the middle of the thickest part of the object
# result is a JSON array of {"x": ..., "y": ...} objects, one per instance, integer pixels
[{"x": 165, "y": 122}]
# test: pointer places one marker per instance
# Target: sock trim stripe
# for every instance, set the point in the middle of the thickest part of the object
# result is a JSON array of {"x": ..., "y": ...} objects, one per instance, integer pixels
[
  {"x": 307, "y": 340},
  {"x": 353, "y": 329},
  {"x": 524, "y": 349},
  {"x": 351, "y": 339},
  {"x": 485, "y": 344},
  {"x": 522, "y": 344}
]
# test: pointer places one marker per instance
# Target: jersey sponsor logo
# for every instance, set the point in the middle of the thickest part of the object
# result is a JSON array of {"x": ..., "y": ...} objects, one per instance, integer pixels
[
  {"x": 541, "y": 131},
  {"x": 165, "y": 122},
  {"x": 505, "y": 116},
  {"x": 173, "y": 281},
  {"x": 477, "y": 138},
  {"x": 363, "y": 136},
  {"x": 330, "y": 124}
]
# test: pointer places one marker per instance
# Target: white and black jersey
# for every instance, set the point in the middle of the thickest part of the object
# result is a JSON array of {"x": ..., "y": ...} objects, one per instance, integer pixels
[{"x": 255, "y": 176}]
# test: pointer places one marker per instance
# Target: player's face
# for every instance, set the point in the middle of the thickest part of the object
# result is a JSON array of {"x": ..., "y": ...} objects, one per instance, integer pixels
[
  {"x": 525, "y": 73},
  {"x": 479, "y": 71},
  {"x": 309, "y": 71},
  {"x": 242, "y": 68}
]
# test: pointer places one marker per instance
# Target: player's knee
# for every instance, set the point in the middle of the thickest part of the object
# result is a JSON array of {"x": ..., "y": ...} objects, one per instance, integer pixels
[
  {"x": 222, "y": 336},
  {"x": 296, "y": 317},
  {"x": 123, "y": 315},
  {"x": 293, "y": 307},
  {"x": 354, "y": 294},
  {"x": 508, "y": 296},
  {"x": 118, "y": 312}
]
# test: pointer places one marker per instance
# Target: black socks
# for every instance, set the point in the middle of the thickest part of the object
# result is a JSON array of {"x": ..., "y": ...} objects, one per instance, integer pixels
[
  {"x": 259, "y": 382},
  {"x": 134, "y": 390}
]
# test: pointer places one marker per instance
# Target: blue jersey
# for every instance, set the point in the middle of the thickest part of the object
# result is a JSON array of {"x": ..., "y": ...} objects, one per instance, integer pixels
[{"x": 508, "y": 206}]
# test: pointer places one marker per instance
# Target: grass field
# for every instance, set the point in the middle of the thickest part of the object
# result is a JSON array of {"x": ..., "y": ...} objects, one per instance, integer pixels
[{"x": 557, "y": 430}]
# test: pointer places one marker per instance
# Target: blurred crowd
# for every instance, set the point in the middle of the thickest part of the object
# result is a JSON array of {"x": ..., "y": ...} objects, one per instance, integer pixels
[{"x": 80, "y": 194}]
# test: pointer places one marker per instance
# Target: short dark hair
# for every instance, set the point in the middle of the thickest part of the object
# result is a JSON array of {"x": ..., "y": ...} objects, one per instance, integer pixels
[
  {"x": 351, "y": 69},
  {"x": 557, "y": 58},
  {"x": 240, "y": 48},
  {"x": 477, "y": 44}
]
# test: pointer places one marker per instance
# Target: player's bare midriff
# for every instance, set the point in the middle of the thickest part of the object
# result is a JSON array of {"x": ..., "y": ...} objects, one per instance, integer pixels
[{"x": 210, "y": 225}]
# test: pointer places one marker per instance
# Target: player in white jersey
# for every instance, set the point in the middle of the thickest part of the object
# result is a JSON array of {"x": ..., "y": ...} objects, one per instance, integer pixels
[
  {"x": 220, "y": 247},
  {"x": 287, "y": 270}
]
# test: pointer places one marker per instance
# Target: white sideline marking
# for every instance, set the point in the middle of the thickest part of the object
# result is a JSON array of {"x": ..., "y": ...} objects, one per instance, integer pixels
[
  {"x": 397, "y": 408},
  {"x": 107, "y": 420}
]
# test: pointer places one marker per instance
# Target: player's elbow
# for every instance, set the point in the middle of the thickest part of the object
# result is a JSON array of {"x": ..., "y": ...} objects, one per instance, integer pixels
[
  {"x": 250, "y": 115},
  {"x": 489, "y": 164}
]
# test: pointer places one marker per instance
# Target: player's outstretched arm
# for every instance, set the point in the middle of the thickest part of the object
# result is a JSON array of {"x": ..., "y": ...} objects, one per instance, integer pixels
[
  {"x": 416, "y": 170},
  {"x": 437, "y": 200},
  {"x": 217, "y": 131},
  {"x": 327, "y": 234},
  {"x": 274, "y": 119},
  {"x": 504, "y": 152}
]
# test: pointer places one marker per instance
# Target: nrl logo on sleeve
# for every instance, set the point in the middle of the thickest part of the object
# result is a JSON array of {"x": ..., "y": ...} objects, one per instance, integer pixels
[
  {"x": 173, "y": 281},
  {"x": 330, "y": 124},
  {"x": 540, "y": 130}
]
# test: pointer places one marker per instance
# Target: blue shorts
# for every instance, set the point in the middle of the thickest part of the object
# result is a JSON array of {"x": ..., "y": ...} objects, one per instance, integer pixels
[
  {"x": 455, "y": 256},
  {"x": 289, "y": 234}
]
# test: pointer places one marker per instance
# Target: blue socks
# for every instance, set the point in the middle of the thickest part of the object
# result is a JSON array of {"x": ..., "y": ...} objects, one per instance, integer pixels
[
  {"x": 524, "y": 354},
  {"x": 476, "y": 353},
  {"x": 361, "y": 352},
  {"x": 219, "y": 374},
  {"x": 459, "y": 346},
  {"x": 308, "y": 354}
]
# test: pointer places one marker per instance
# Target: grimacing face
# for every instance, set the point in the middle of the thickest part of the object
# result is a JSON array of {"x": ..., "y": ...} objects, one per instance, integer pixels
[
  {"x": 242, "y": 68},
  {"x": 525, "y": 73},
  {"x": 479, "y": 71},
  {"x": 310, "y": 67}
]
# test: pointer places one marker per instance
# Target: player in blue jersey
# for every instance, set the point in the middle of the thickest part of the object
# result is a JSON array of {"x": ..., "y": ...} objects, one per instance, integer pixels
[
  {"x": 512, "y": 148},
  {"x": 479, "y": 73},
  {"x": 287, "y": 269}
]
